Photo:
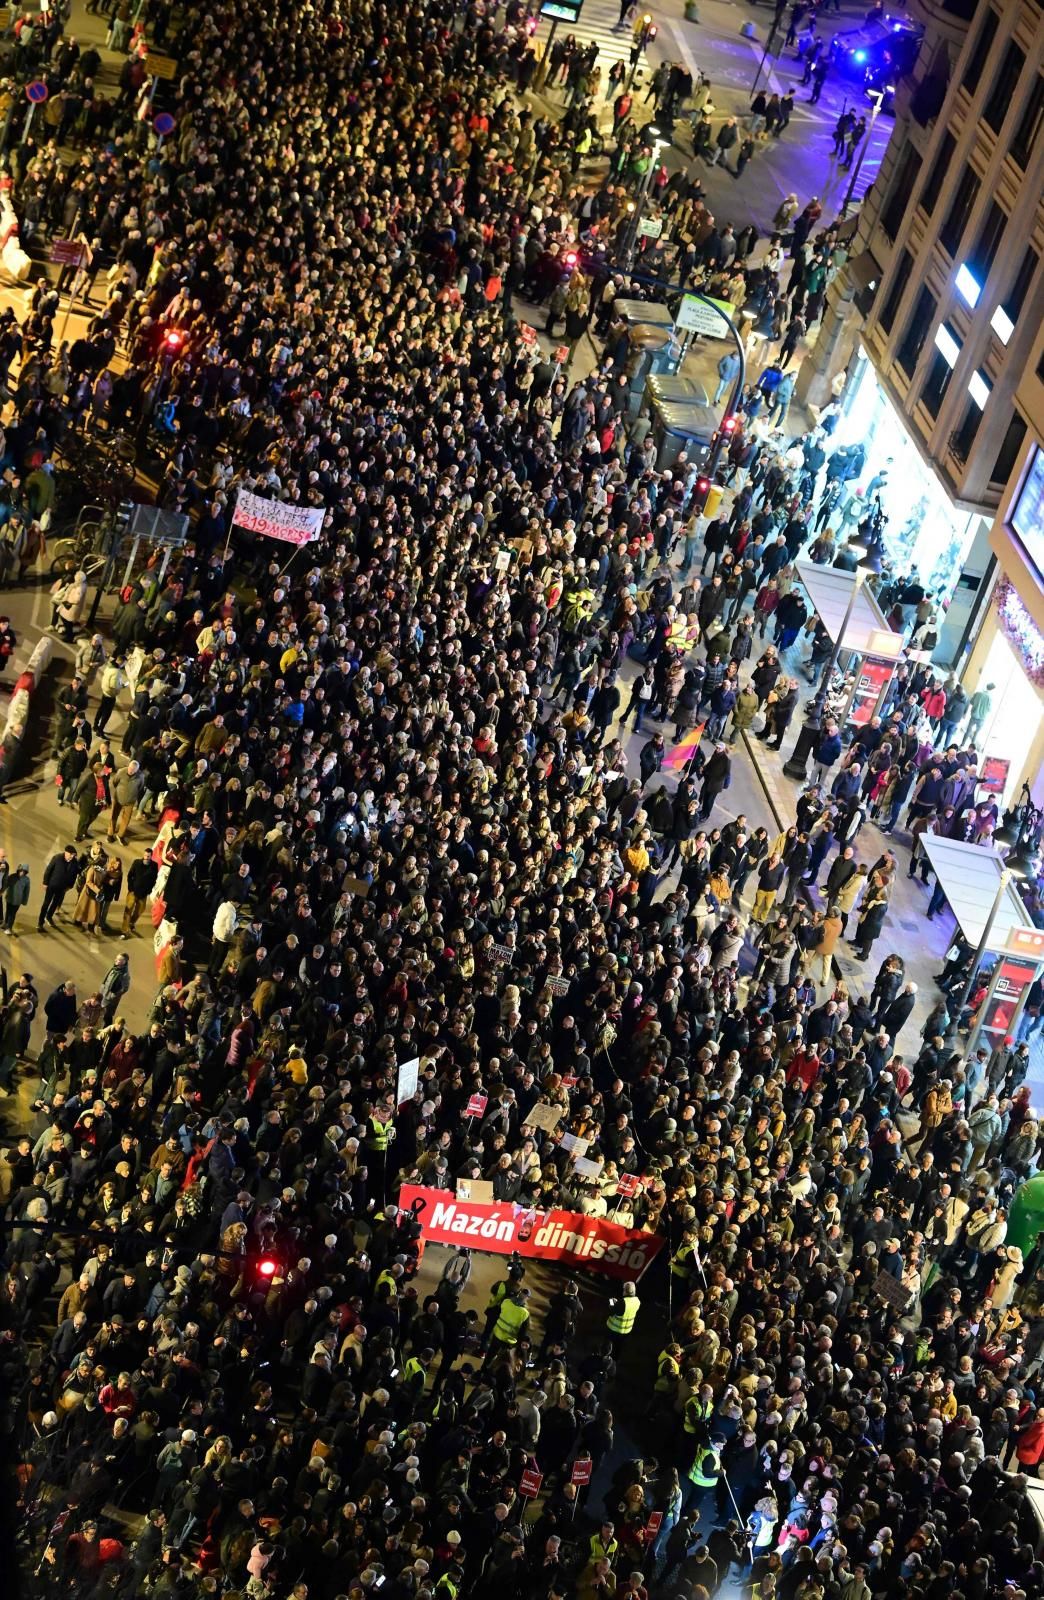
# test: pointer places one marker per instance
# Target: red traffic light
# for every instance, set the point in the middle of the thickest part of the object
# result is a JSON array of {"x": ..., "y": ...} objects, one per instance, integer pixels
[
  {"x": 173, "y": 339},
  {"x": 730, "y": 425},
  {"x": 571, "y": 258},
  {"x": 531, "y": 24},
  {"x": 268, "y": 1267},
  {"x": 653, "y": 30},
  {"x": 701, "y": 489}
]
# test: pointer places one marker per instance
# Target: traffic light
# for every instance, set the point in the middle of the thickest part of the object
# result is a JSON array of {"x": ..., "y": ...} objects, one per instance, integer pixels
[
  {"x": 571, "y": 258},
  {"x": 699, "y": 494},
  {"x": 730, "y": 425},
  {"x": 531, "y": 24},
  {"x": 650, "y": 33},
  {"x": 267, "y": 1267},
  {"x": 173, "y": 339}
]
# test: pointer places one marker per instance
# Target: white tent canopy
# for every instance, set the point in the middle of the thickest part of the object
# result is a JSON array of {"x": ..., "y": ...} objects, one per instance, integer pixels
[
  {"x": 969, "y": 876},
  {"x": 829, "y": 589}
]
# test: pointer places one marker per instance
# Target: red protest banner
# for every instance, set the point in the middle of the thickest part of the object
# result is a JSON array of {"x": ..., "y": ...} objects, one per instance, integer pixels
[
  {"x": 652, "y": 1527},
  {"x": 628, "y": 1183},
  {"x": 529, "y": 1483},
  {"x": 581, "y": 1472},
  {"x": 476, "y": 1106},
  {"x": 566, "y": 1236}
]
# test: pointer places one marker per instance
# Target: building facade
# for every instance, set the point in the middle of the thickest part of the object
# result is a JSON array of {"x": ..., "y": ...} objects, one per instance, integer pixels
[
  {"x": 1006, "y": 655},
  {"x": 935, "y": 320}
]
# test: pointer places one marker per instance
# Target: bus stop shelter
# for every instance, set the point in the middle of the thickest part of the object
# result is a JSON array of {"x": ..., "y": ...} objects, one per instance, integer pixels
[
  {"x": 856, "y": 625},
  {"x": 830, "y": 589},
  {"x": 970, "y": 877},
  {"x": 992, "y": 918}
]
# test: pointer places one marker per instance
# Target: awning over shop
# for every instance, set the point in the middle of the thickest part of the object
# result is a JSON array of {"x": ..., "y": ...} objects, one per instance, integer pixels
[
  {"x": 863, "y": 271},
  {"x": 864, "y": 275},
  {"x": 829, "y": 589},
  {"x": 969, "y": 876}
]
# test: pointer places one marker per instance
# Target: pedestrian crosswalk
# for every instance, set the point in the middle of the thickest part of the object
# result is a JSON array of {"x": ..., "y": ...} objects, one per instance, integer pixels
[{"x": 598, "y": 21}]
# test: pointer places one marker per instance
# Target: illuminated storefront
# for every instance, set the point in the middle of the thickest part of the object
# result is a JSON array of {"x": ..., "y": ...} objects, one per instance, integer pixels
[
  {"x": 925, "y": 532},
  {"x": 1008, "y": 656}
]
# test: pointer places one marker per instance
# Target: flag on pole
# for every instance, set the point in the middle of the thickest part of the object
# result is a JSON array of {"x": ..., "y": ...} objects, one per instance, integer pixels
[{"x": 685, "y": 749}]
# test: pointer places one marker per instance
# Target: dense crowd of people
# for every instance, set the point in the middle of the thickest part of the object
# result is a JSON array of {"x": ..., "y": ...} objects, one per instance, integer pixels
[{"x": 380, "y": 808}]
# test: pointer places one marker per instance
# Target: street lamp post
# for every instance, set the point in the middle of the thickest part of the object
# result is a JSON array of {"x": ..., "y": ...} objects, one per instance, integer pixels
[
  {"x": 806, "y": 741},
  {"x": 641, "y": 44},
  {"x": 769, "y": 42},
  {"x": 876, "y": 98},
  {"x": 966, "y": 988},
  {"x": 658, "y": 143}
]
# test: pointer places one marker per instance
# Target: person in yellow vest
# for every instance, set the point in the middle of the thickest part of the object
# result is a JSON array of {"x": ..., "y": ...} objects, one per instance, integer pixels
[
  {"x": 497, "y": 1295},
  {"x": 602, "y": 1546},
  {"x": 668, "y": 1372},
  {"x": 683, "y": 1261},
  {"x": 698, "y": 1411},
  {"x": 702, "y": 1477},
  {"x": 511, "y": 1323},
  {"x": 450, "y": 1582},
  {"x": 622, "y": 1313},
  {"x": 415, "y": 1375},
  {"x": 391, "y": 1276},
  {"x": 379, "y": 1135}
]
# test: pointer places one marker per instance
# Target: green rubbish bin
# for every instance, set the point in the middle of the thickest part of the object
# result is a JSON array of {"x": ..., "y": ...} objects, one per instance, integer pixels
[
  {"x": 691, "y": 11},
  {"x": 1026, "y": 1217}
]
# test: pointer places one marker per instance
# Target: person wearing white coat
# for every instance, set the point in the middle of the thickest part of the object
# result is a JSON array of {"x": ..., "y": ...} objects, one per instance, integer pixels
[{"x": 1005, "y": 1282}]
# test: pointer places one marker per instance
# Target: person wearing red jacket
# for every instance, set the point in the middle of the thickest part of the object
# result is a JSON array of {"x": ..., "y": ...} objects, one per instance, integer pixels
[{"x": 1030, "y": 1443}]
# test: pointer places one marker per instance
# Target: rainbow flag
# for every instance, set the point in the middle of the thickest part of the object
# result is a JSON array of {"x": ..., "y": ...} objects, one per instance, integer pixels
[{"x": 684, "y": 749}]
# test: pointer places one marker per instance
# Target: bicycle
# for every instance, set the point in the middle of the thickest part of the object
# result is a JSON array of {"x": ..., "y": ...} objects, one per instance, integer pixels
[{"x": 88, "y": 538}]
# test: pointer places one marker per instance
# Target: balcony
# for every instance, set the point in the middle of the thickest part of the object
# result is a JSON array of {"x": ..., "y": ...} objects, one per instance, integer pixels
[{"x": 950, "y": 18}]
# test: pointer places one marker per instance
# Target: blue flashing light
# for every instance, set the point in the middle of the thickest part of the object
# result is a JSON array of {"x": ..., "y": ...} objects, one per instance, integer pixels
[{"x": 860, "y": 56}]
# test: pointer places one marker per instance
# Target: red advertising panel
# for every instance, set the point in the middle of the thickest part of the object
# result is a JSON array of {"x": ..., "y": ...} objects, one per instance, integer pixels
[
  {"x": 564, "y": 1236},
  {"x": 1011, "y": 978},
  {"x": 993, "y": 775},
  {"x": 874, "y": 677}
]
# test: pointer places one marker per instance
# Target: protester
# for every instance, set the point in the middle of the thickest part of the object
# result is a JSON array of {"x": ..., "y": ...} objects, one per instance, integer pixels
[{"x": 391, "y": 820}]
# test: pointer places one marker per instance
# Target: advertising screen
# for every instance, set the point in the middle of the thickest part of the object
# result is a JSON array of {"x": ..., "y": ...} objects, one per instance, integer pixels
[{"x": 1027, "y": 514}]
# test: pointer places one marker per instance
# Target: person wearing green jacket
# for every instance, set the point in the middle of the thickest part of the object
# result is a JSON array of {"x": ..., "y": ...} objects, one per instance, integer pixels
[{"x": 744, "y": 711}]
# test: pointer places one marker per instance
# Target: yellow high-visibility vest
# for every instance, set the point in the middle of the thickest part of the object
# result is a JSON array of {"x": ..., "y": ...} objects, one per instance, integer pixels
[
  {"x": 622, "y": 1321},
  {"x": 379, "y": 1132},
  {"x": 511, "y": 1322}
]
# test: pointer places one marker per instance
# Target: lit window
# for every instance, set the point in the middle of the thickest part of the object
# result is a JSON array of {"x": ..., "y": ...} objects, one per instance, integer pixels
[
  {"x": 1002, "y": 325},
  {"x": 947, "y": 345},
  {"x": 979, "y": 389},
  {"x": 968, "y": 289}
]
